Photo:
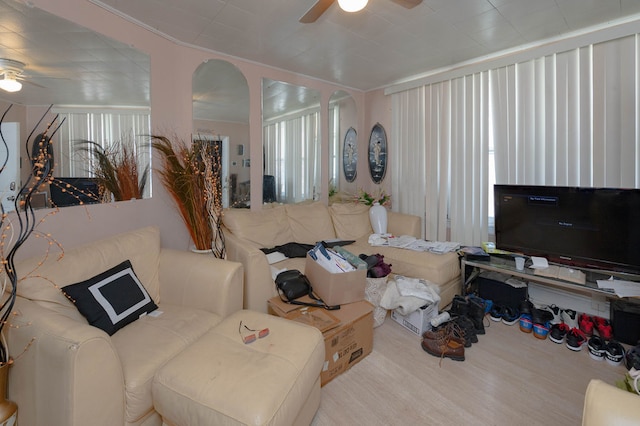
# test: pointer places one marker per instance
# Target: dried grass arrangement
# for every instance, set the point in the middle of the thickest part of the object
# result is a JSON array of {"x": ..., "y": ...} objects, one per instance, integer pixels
[
  {"x": 117, "y": 170},
  {"x": 186, "y": 174}
]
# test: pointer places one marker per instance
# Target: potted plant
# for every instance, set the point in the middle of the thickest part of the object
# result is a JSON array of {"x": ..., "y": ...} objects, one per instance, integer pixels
[
  {"x": 190, "y": 174},
  {"x": 378, "y": 211},
  {"x": 116, "y": 169}
]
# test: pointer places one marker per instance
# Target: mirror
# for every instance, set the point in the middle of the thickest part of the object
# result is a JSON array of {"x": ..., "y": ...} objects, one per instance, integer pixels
[
  {"x": 85, "y": 75},
  {"x": 343, "y": 143},
  {"x": 221, "y": 113},
  {"x": 291, "y": 142}
]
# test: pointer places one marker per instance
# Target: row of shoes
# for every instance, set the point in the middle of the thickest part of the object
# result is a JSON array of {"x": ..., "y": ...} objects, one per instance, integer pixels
[
  {"x": 566, "y": 326},
  {"x": 456, "y": 329}
]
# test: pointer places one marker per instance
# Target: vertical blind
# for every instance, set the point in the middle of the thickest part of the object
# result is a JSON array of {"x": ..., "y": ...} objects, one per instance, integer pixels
[
  {"x": 292, "y": 155},
  {"x": 570, "y": 118},
  {"x": 105, "y": 129}
]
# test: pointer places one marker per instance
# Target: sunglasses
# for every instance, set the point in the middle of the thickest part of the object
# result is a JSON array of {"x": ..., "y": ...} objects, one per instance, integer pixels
[{"x": 250, "y": 338}]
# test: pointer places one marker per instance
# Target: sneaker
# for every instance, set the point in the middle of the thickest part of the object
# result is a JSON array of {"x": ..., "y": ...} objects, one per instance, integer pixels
[
  {"x": 557, "y": 332},
  {"x": 526, "y": 325},
  {"x": 614, "y": 353},
  {"x": 555, "y": 312},
  {"x": 540, "y": 331},
  {"x": 596, "y": 348},
  {"x": 496, "y": 313},
  {"x": 541, "y": 316},
  {"x": 575, "y": 339},
  {"x": 603, "y": 327},
  {"x": 526, "y": 307},
  {"x": 570, "y": 317},
  {"x": 586, "y": 324},
  {"x": 510, "y": 316},
  {"x": 632, "y": 358}
]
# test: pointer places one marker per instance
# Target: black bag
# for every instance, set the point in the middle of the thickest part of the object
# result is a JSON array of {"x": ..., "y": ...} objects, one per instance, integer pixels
[{"x": 293, "y": 284}]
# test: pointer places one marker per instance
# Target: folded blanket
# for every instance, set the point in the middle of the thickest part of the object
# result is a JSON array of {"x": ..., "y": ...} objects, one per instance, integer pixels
[{"x": 407, "y": 295}]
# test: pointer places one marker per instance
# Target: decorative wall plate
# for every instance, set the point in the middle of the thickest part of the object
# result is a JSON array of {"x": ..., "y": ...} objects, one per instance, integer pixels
[
  {"x": 350, "y": 155},
  {"x": 377, "y": 153}
]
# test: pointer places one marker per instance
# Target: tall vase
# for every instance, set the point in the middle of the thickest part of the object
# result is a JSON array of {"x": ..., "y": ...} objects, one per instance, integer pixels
[
  {"x": 8, "y": 409},
  {"x": 378, "y": 218}
]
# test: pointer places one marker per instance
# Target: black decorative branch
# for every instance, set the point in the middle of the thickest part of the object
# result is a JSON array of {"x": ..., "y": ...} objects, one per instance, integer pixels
[{"x": 41, "y": 172}]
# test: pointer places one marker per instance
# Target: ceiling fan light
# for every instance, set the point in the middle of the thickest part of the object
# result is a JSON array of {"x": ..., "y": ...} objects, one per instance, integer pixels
[
  {"x": 352, "y": 5},
  {"x": 10, "y": 84}
]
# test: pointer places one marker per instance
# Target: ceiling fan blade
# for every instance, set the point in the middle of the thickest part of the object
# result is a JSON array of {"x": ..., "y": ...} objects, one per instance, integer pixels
[
  {"x": 409, "y": 4},
  {"x": 316, "y": 11}
]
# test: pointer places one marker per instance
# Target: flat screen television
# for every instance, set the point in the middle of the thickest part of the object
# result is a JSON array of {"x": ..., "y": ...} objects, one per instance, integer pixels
[
  {"x": 597, "y": 228},
  {"x": 72, "y": 191}
]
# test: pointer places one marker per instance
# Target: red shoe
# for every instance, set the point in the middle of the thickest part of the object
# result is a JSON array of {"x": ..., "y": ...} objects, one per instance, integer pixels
[
  {"x": 585, "y": 322},
  {"x": 604, "y": 328}
]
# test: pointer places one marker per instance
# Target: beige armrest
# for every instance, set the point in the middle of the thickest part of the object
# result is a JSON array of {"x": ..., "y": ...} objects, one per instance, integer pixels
[
  {"x": 258, "y": 283},
  {"x": 605, "y": 404},
  {"x": 60, "y": 369},
  {"x": 200, "y": 281},
  {"x": 404, "y": 224}
]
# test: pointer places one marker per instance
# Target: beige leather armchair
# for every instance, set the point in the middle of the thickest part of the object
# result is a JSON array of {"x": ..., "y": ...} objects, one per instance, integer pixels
[
  {"x": 606, "y": 405},
  {"x": 72, "y": 373}
]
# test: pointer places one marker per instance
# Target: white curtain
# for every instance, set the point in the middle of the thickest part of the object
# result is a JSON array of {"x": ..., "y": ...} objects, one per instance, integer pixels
[
  {"x": 570, "y": 118},
  {"x": 292, "y": 155},
  {"x": 104, "y": 128}
]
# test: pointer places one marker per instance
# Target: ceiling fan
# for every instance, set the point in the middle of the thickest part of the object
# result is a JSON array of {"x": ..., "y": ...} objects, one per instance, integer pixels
[
  {"x": 322, "y": 5},
  {"x": 12, "y": 73}
]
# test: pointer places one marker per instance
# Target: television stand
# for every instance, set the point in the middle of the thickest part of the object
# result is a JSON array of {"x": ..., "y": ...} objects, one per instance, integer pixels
[{"x": 506, "y": 265}]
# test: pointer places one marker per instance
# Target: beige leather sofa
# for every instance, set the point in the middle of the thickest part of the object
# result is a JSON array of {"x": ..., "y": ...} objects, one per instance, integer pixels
[
  {"x": 247, "y": 231},
  {"x": 606, "y": 405},
  {"x": 72, "y": 373}
]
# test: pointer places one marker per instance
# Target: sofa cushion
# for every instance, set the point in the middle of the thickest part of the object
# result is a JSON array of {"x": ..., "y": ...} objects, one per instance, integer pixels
[
  {"x": 310, "y": 222},
  {"x": 111, "y": 299},
  {"x": 351, "y": 220},
  {"x": 437, "y": 268},
  {"x": 267, "y": 228},
  {"x": 41, "y": 280},
  {"x": 147, "y": 344}
]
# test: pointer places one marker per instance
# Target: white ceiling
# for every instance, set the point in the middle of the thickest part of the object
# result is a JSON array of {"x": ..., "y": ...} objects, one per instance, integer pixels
[
  {"x": 67, "y": 64},
  {"x": 383, "y": 44},
  {"x": 380, "y": 45}
]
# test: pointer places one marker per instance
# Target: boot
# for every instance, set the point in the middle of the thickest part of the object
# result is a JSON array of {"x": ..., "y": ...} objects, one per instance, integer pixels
[
  {"x": 476, "y": 314},
  {"x": 459, "y": 306},
  {"x": 450, "y": 330},
  {"x": 444, "y": 347},
  {"x": 467, "y": 327}
]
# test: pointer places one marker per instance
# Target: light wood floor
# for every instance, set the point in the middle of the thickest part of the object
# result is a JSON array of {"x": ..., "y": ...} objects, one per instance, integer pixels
[{"x": 508, "y": 378}]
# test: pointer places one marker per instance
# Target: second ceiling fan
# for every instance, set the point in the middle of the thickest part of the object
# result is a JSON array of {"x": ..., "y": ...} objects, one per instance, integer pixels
[{"x": 322, "y": 5}]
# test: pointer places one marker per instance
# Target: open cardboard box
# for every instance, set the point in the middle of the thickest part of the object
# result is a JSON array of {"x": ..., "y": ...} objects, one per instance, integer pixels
[
  {"x": 348, "y": 331},
  {"x": 336, "y": 288}
]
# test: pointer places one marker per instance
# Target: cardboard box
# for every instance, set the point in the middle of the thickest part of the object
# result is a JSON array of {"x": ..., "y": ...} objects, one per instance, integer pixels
[
  {"x": 418, "y": 321},
  {"x": 335, "y": 288},
  {"x": 348, "y": 332}
]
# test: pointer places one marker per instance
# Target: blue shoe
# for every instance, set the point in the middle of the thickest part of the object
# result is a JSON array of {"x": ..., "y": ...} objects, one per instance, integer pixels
[
  {"x": 510, "y": 315},
  {"x": 526, "y": 325},
  {"x": 541, "y": 330},
  {"x": 496, "y": 313}
]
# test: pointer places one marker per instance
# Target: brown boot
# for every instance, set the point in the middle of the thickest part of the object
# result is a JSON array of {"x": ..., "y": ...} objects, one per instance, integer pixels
[
  {"x": 444, "y": 347},
  {"x": 450, "y": 330}
]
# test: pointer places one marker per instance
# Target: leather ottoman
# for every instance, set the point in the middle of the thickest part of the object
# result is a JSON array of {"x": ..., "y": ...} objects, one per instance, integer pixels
[{"x": 220, "y": 380}]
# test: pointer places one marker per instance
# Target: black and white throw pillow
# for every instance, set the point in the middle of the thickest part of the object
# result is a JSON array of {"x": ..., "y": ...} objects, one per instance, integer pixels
[{"x": 112, "y": 299}]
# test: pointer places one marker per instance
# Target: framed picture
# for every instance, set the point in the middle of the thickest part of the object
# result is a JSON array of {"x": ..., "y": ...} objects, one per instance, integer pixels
[
  {"x": 377, "y": 153},
  {"x": 350, "y": 155}
]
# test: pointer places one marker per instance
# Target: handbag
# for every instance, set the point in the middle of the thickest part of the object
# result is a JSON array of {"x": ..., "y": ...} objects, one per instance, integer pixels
[{"x": 293, "y": 284}]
